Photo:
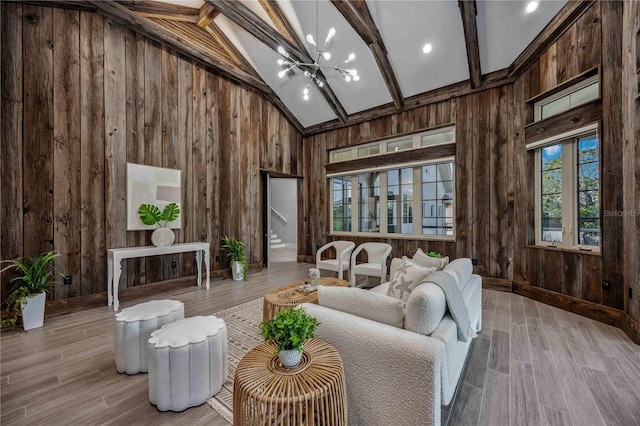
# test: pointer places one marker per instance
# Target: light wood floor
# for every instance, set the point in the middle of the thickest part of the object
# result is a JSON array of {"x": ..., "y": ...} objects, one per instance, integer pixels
[{"x": 532, "y": 364}]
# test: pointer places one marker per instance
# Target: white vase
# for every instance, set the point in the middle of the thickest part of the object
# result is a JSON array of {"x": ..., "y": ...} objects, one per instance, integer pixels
[
  {"x": 237, "y": 271},
  {"x": 163, "y": 237},
  {"x": 33, "y": 311},
  {"x": 290, "y": 358}
]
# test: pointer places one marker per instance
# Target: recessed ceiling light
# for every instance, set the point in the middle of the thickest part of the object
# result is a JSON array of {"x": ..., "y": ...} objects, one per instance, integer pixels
[
  {"x": 427, "y": 48},
  {"x": 531, "y": 6}
]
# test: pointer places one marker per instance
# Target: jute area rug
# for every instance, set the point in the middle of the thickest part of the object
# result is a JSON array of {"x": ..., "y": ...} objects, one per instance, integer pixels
[{"x": 243, "y": 333}]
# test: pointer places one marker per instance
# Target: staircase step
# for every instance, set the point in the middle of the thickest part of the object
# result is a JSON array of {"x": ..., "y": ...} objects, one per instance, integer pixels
[
  {"x": 274, "y": 236},
  {"x": 275, "y": 241},
  {"x": 277, "y": 246}
]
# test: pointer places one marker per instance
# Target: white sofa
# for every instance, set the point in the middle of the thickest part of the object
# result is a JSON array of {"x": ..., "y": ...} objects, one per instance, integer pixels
[{"x": 396, "y": 375}]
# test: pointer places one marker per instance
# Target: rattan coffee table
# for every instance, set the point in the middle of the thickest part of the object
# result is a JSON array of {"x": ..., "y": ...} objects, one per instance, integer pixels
[
  {"x": 313, "y": 393},
  {"x": 288, "y": 297}
]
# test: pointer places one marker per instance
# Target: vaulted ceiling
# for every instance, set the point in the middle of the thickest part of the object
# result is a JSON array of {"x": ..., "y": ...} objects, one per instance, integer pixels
[{"x": 470, "y": 41}]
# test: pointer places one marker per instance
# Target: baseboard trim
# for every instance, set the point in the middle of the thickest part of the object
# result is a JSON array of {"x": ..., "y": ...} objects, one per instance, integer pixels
[
  {"x": 70, "y": 305},
  {"x": 498, "y": 284},
  {"x": 592, "y": 310}
]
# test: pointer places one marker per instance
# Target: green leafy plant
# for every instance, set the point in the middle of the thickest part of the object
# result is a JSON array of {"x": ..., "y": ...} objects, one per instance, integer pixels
[
  {"x": 152, "y": 215},
  {"x": 435, "y": 254},
  {"x": 289, "y": 329},
  {"x": 34, "y": 275},
  {"x": 235, "y": 253}
]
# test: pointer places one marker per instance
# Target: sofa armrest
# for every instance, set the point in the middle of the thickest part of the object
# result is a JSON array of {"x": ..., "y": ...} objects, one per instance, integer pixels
[{"x": 393, "y": 375}]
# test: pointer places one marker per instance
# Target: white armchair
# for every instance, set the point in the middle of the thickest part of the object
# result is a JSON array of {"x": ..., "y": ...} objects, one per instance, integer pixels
[
  {"x": 341, "y": 262},
  {"x": 376, "y": 265}
]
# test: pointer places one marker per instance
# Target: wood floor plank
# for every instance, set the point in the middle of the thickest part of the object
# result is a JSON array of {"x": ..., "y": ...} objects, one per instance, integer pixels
[
  {"x": 626, "y": 384},
  {"x": 467, "y": 407},
  {"x": 501, "y": 319},
  {"x": 530, "y": 308},
  {"x": 523, "y": 404},
  {"x": 580, "y": 349},
  {"x": 519, "y": 343},
  {"x": 611, "y": 406},
  {"x": 499, "y": 352},
  {"x": 547, "y": 380},
  {"x": 537, "y": 337},
  {"x": 517, "y": 310},
  {"x": 476, "y": 367},
  {"x": 552, "y": 417},
  {"x": 494, "y": 410},
  {"x": 581, "y": 404}
]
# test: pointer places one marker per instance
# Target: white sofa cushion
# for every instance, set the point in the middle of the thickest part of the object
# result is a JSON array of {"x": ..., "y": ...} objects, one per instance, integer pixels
[
  {"x": 407, "y": 277},
  {"x": 425, "y": 309},
  {"x": 461, "y": 269},
  {"x": 422, "y": 259},
  {"x": 363, "y": 303}
]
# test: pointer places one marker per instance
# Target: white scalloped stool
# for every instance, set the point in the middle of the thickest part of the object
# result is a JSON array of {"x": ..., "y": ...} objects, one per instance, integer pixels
[
  {"x": 133, "y": 329},
  {"x": 187, "y": 362}
]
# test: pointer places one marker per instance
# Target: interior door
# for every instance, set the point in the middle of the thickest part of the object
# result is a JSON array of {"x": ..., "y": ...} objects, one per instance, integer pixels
[{"x": 266, "y": 219}]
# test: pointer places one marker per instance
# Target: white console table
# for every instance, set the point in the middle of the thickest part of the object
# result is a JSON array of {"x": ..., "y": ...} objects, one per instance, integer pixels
[{"x": 115, "y": 256}]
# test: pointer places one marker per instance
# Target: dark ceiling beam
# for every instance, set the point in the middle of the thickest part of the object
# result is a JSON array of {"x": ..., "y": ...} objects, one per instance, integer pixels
[
  {"x": 567, "y": 16},
  {"x": 281, "y": 22},
  {"x": 359, "y": 17},
  {"x": 206, "y": 15},
  {"x": 468, "y": 11},
  {"x": 154, "y": 9},
  {"x": 157, "y": 32},
  {"x": 250, "y": 22}
]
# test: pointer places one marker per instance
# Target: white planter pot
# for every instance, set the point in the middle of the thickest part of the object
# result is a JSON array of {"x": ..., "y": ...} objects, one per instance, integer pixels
[
  {"x": 33, "y": 311},
  {"x": 163, "y": 237},
  {"x": 290, "y": 358},
  {"x": 236, "y": 271}
]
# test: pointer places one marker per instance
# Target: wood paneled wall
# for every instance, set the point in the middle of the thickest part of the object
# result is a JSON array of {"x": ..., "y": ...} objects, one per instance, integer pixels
[
  {"x": 494, "y": 172},
  {"x": 82, "y": 96}
]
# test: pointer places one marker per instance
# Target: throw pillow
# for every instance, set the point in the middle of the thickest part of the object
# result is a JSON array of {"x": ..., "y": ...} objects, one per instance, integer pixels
[
  {"x": 422, "y": 259},
  {"x": 408, "y": 276},
  {"x": 362, "y": 303}
]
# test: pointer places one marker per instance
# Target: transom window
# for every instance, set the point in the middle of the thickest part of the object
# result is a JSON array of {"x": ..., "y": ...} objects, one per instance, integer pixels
[
  {"x": 439, "y": 136},
  {"x": 568, "y": 192},
  {"x": 571, "y": 97}
]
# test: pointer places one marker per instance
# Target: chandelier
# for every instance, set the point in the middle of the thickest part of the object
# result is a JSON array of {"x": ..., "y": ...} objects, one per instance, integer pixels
[{"x": 310, "y": 70}]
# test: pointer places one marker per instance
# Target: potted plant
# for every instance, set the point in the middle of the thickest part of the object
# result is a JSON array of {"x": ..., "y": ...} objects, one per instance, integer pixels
[
  {"x": 235, "y": 253},
  {"x": 27, "y": 297},
  {"x": 288, "y": 330},
  {"x": 152, "y": 215},
  {"x": 435, "y": 254}
]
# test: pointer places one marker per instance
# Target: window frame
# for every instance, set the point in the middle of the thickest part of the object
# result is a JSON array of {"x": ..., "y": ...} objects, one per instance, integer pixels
[
  {"x": 538, "y": 105},
  {"x": 569, "y": 141},
  {"x": 416, "y": 204}
]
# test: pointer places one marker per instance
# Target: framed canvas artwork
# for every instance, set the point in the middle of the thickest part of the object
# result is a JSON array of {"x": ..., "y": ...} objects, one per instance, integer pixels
[{"x": 151, "y": 185}]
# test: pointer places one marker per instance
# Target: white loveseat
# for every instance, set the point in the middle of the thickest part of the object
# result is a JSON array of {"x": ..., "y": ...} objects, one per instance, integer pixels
[{"x": 396, "y": 375}]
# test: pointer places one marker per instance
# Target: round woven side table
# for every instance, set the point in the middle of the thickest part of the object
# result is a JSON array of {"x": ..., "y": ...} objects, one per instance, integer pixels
[
  {"x": 290, "y": 296},
  {"x": 313, "y": 393}
]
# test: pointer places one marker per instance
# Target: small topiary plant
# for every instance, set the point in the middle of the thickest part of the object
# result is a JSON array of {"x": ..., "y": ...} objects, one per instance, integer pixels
[{"x": 289, "y": 329}]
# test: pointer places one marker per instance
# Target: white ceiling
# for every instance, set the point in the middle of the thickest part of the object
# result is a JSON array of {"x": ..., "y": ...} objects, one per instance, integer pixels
[{"x": 504, "y": 31}]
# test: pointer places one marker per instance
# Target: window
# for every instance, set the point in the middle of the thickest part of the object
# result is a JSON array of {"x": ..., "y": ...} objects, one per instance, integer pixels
[
  {"x": 571, "y": 97},
  {"x": 439, "y": 136},
  {"x": 396, "y": 194},
  {"x": 568, "y": 192},
  {"x": 437, "y": 199},
  {"x": 342, "y": 203}
]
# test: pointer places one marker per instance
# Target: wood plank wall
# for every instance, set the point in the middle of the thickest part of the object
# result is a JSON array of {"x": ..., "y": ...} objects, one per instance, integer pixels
[
  {"x": 82, "y": 96},
  {"x": 631, "y": 152},
  {"x": 494, "y": 172}
]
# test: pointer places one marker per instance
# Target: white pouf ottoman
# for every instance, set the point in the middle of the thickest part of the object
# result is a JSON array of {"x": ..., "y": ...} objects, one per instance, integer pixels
[
  {"x": 133, "y": 329},
  {"x": 187, "y": 362}
]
